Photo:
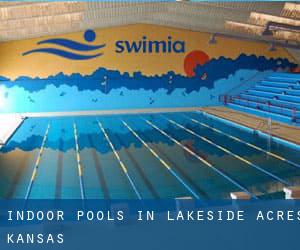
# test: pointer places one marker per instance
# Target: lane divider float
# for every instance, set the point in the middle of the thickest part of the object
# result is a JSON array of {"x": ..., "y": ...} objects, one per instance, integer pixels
[
  {"x": 163, "y": 162},
  {"x": 37, "y": 164},
  {"x": 79, "y": 165},
  {"x": 230, "y": 153},
  {"x": 122, "y": 165},
  {"x": 244, "y": 142},
  {"x": 205, "y": 162}
]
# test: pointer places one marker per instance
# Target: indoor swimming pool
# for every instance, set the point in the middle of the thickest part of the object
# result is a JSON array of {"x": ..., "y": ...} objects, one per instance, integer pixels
[{"x": 143, "y": 156}]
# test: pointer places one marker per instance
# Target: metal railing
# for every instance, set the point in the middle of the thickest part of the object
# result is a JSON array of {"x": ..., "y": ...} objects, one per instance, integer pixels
[{"x": 256, "y": 103}]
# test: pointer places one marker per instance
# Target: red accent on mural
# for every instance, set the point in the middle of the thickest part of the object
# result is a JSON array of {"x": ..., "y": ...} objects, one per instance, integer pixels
[
  {"x": 192, "y": 59},
  {"x": 295, "y": 70}
]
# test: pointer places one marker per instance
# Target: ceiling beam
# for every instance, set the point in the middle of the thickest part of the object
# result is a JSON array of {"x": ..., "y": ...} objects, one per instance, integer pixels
[
  {"x": 291, "y": 10},
  {"x": 287, "y": 35},
  {"x": 41, "y": 30},
  {"x": 250, "y": 29},
  {"x": 40, "y": 9},
  {"x": 254, "y": 39},
  {"x": 16, "y": 24},
  {"x": 263, "y": 19}
]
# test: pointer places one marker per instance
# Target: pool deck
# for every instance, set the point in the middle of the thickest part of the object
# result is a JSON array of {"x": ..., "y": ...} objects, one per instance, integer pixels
[
  {"x": 9, "y": 123},
  {"x": 280, "y": 130},
  {"x": 110, "y": 112}
]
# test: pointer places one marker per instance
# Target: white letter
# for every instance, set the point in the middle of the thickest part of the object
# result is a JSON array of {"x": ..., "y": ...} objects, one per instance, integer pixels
[
  {"x": 260, "y": 216},
  {"x": 169, "y": 216},
  {"x": 120, "y": 215},
  {"x": 240, "y": 215},
  {"x": 9, "y": 238},
  {"x": 210, "y": 215},
  {"x": 60, "y": 215},
  {"x": 9, "y": 215},
  {"x": 79, "y": 214},
  {"x": 140, "y": 215},
  {"x": 269, "y": 215},
  {"x": 150, "y": 215},
  {"x": 60, "y": 238},
  {"x": 230, "y": 215}
]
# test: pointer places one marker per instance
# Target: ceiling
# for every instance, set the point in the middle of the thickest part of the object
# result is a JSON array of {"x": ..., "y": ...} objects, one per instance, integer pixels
[{"x": 21, "y": 20}]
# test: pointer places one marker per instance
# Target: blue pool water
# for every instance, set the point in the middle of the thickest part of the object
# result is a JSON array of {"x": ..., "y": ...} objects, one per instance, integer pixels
[{"x": 142, "y": 156}]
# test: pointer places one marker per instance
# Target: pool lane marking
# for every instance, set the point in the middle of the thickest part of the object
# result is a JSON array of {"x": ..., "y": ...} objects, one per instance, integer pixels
[
  {"x": 165, "y": 164},
  {"x": 235, "y": 183},
  {"x": 37, "y": 163},
  {"x": 122, "y": 165},
  {"x": 246, "y": 143},
  {"x": 79, "y": 165},
  {"x": 230, "y": 153},
  {"x": 140, "y": 170}
]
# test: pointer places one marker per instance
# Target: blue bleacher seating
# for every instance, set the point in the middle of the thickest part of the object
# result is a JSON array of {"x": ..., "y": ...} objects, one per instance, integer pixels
[{"x": 277, "y": 96}]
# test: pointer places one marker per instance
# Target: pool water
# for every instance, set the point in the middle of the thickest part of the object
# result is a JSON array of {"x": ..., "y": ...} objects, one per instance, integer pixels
[{"x": 147, "y": 156}]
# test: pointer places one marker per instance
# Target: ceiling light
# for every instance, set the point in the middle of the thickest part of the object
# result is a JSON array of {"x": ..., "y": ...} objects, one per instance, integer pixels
[
  {"x": 272, "y": 47},
  {"x": 212, "y": 39}
]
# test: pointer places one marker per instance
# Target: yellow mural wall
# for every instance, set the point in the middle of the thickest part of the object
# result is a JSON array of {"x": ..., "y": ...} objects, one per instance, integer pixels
[{"x": 13, "y": 64}]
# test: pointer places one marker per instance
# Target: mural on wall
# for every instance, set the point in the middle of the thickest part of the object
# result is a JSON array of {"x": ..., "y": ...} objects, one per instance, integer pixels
[
  {"x": 135, "y": 66},
  {"x": 89, "y": 36}
]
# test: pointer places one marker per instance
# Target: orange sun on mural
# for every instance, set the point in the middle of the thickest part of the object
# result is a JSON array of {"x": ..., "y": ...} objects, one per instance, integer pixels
[{"x": 192, "y": 59}]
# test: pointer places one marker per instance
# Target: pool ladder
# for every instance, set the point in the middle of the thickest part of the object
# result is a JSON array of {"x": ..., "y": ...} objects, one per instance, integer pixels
[{"x": 268, "y": 125}]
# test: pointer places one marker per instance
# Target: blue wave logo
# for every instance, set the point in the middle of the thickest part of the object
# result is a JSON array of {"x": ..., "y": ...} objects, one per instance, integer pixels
[{"x": 89, "y": 36}]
